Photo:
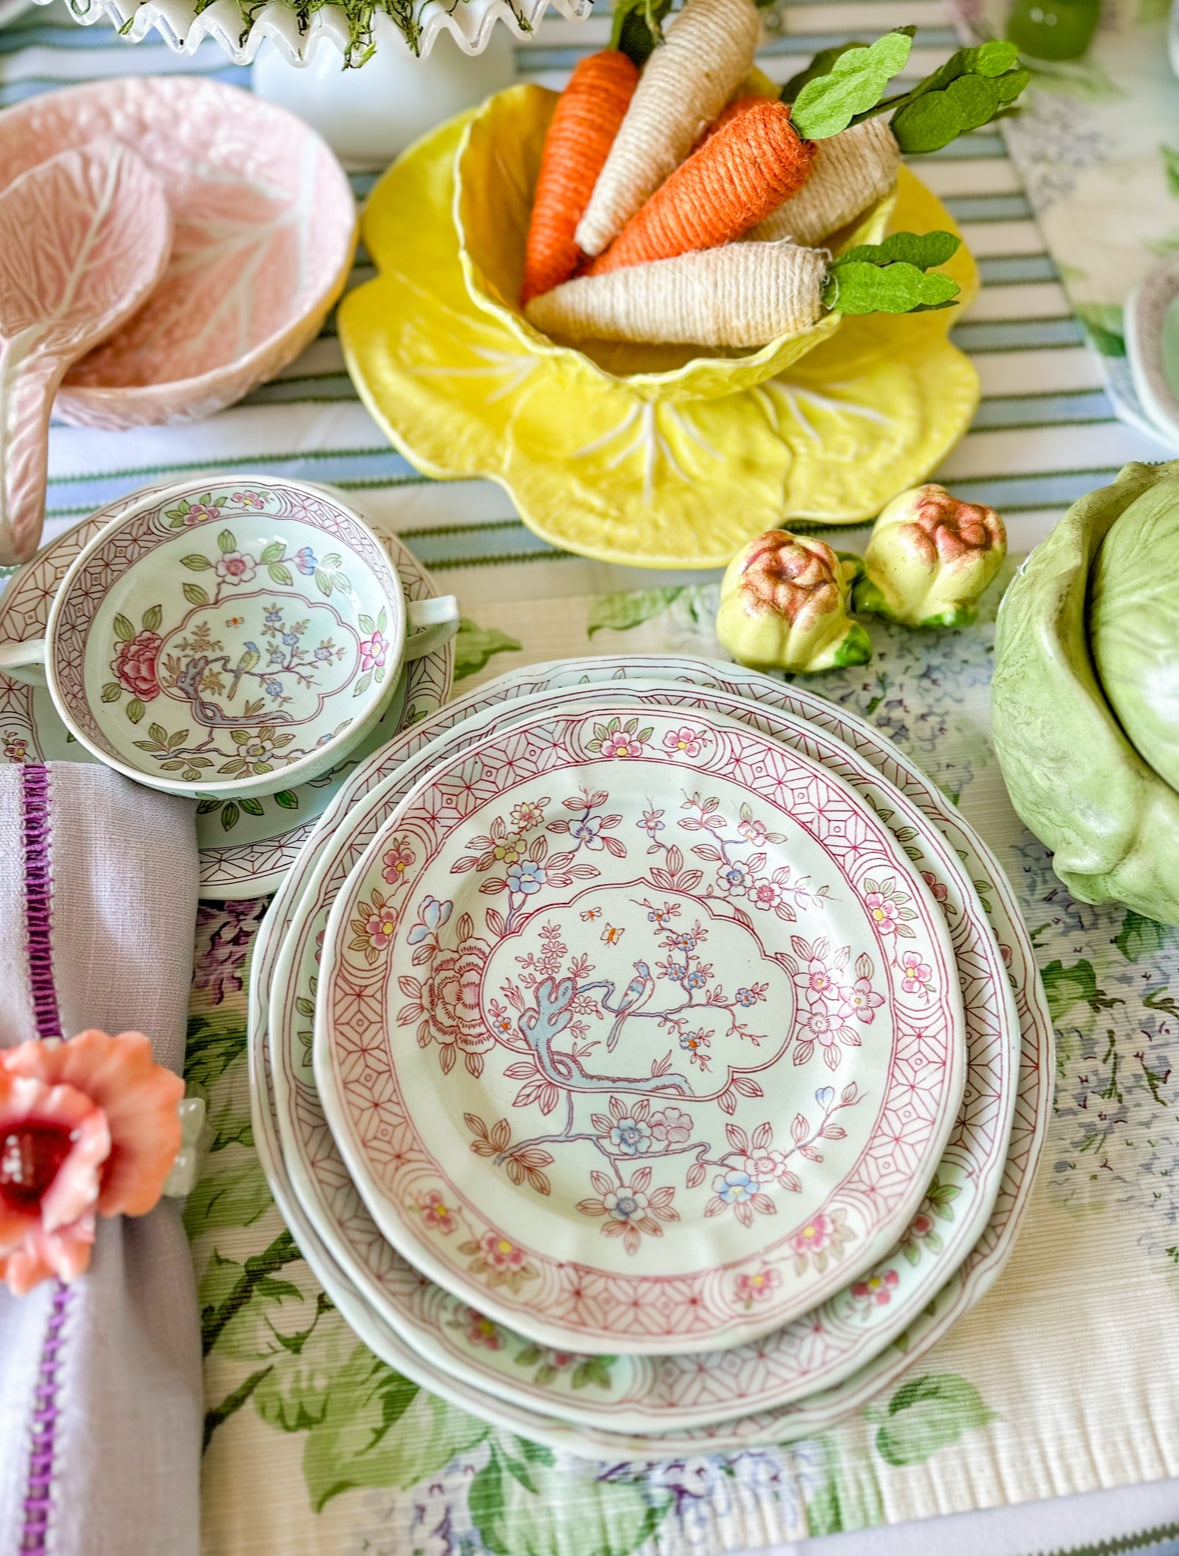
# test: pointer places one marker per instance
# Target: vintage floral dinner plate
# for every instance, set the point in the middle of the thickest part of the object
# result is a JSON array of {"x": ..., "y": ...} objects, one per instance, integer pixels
[
  {"x": 651, "y": 972},
  {"x": 371, "y": 1279},
  {"x": 648, "y": 1393}
]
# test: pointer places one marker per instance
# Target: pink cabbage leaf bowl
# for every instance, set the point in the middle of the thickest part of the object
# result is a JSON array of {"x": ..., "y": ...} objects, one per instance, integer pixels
[{"x": 264, "y": 233}]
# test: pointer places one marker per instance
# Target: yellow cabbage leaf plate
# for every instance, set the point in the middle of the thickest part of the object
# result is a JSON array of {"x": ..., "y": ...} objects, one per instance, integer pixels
[{"x": 617, "y": 467}]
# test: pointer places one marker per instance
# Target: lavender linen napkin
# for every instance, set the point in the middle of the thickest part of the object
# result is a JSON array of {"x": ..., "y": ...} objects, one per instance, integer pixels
[{"x": 100, "y": 1381}]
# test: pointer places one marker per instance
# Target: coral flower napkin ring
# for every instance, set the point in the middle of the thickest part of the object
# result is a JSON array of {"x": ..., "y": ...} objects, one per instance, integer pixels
[{"x": 89, "y": 1127}]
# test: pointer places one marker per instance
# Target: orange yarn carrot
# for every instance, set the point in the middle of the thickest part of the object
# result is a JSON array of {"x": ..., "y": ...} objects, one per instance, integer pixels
[
  {"x": 584, "y": 124},
  {"x": 731, "y": 182}
]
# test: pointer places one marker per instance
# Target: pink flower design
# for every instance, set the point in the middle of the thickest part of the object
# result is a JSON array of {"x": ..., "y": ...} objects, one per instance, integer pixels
[
  {"x": 766, "y": 895},
  {"x": 689, "y": 741},
  {"x": 16, "y": 749},
  {"x": 920, "y": 1226},
  {"x": 451, "y": 995},
  {"x": 500, "y": 1252},
  {"x": 249, "y": 500},
  {"x": 877, "y": 1290},
  {"x": 814, "y": 1237},
  {"x": 756, "y": 1288},
  {"x": 86, "y": 1127},
  {"x": 820, "y": 979},
  {"x": 916, "y": 973},
  {"x": 767, "y": 1166},
  {"x": 753, "y": 831},
  {"x": 621, "y": 744},
  {"x": 671, "y": 1126},
  {"x": 396, "y": 862},
  {"x": 526, "y": 815},
  {"x": 437, "y": 1214},
  {"x": 883, "y": 911},
  {"x": 863, "y": 1000},
  {"x": 199, "y": 512},
  {"x": 379, "y": 927},
  {"x": 373, "y": 651},
  {"x": 938, "y": 888},
  {"x": 482, "y": 1331},
  {"x": 235, "y": 567},
  {"x": 135, "y": 663}
]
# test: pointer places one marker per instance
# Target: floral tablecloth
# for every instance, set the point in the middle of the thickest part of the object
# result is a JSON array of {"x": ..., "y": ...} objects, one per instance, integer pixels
[{"x": 1063, "y": 1379}]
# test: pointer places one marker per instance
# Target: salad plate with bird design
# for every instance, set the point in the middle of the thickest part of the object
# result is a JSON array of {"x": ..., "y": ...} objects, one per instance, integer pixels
[{"x": 626, "y": 1008}]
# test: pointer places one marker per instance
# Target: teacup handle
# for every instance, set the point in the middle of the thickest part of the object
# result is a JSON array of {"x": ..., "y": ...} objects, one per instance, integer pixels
[
  {"x": 430, "y": 625},
  {"x": 25, "y": 661}
]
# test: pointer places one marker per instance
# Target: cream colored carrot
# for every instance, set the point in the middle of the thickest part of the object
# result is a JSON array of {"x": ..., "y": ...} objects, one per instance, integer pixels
[
  {"x": 850, "y": 172},
  {"x": 685, "y": 84},
  {"x": 744, "y": 294}
]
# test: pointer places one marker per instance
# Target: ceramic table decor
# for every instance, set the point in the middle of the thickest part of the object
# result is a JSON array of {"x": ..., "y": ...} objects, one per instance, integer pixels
[
  {"x": 230, "y": 639},
  {"x": 600, "y": 469},
  {"x": 642, "y": 1393},
  {"x": 264, "y": 231},
  {"x": 817, "y": 1412},
  {"x": 84, "y": 238},
  {"x": 184, "y": 24},
  {"x": 595, "y": 1028},
  {"x": 245, "y": 850}
]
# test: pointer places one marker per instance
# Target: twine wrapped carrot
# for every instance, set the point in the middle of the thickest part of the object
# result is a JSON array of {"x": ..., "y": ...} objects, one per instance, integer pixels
[
  {"x": 684, "y": 86},
  {"x": 730, "y": 183},
  {"x": 744, "y": 294},
  {"x": 582, "y": 130},
  {"x": 851, "y": 171}
]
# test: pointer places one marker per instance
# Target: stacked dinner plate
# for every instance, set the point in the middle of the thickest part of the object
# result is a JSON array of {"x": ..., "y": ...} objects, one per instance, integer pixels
[{"x": 647, "y": 1057}]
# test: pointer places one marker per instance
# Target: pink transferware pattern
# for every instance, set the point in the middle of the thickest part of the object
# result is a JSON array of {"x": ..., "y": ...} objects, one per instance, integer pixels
[
  {"x": 84, "y": 238},
  {"x": 668, "y": 1138},
  {"x": 635, "y": 1392},
  {"x": 264, "y": 223},
  {"x": 347, "y": 1279}
]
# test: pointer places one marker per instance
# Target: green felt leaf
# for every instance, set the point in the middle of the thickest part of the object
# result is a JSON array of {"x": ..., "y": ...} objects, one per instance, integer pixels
[
  {"x": 287, "y": 798},
  {"x": 124, "y": 630},
  {"x": 638, "y": 29},
  {"x": 225, "y": 542},
  {"x": 474, "y": 646},
  {"x": 195, "y": 562},
  {"x": 195, "y": 595},
  {"x": 230, "y": 816},
  {"x": 134, "y": 710},
  {"x": 152, "y": 617},
  {"x": 274, "y": 552},
  {"x": 855, "y": 82},
  {"x": 819, "y": 66},
  {"x": 927, "y": 1414},
  {"x": 280, "y": 574},
  {"x": 860, "y": 287},
  {"x": 252, "y": 807},
  {"x": 930, "y": 120},
  {"x": 111, "y": 691},
  {"x": 923, "y": 249}
]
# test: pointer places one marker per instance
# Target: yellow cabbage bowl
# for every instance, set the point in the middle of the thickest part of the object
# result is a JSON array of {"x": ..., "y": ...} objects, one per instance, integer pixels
[{"x": 496, "y": 170}]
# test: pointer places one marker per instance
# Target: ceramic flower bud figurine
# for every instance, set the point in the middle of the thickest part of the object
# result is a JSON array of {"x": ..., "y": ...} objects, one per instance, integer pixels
[
  {"x": 930, "y": 558},
  {"x": 784, "y": 606}
]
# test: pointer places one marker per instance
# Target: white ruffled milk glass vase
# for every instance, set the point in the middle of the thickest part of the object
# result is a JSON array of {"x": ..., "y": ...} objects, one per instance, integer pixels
[{"x": 371, "y": 113}]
